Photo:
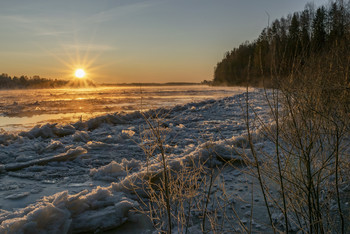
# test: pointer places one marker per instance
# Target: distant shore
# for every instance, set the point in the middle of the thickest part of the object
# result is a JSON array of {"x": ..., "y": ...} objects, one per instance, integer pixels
[
  {"x": 23, "y": 82},
  {"x": 152, "y": 84}
]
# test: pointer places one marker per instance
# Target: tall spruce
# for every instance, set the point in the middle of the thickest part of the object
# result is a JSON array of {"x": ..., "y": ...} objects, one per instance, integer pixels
[
  {"x": 319, "y": 30},
  {"x": 287, "y": 41}
]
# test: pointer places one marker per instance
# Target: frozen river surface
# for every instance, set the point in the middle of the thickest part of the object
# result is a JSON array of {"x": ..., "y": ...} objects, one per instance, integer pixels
[
  {"x": 72, "y": 173},
  {"x": 23, "y": 109}
]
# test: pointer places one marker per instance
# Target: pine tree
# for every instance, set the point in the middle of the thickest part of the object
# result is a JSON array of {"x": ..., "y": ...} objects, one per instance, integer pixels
[{"x": 319, "y": 30}]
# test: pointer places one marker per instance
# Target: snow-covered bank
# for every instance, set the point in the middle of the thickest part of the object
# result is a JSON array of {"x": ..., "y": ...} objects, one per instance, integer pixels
[{"x": 72, "y": 160}]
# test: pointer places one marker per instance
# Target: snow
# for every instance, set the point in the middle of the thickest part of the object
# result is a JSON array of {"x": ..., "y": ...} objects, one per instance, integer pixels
[
  {"x": 75, "y": 177},
  {"x": 114, "y": 170},
  {"x": 101, "y": 209}
]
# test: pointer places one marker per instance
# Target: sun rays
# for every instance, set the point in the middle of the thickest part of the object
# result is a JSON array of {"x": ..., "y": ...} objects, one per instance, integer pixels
[{"x": 77, "y": 59}]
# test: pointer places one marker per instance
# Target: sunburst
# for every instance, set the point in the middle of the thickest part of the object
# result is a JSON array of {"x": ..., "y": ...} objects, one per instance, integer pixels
[
  {"x": 79, "y": 63},
  {"x": 80, "y": 73}
]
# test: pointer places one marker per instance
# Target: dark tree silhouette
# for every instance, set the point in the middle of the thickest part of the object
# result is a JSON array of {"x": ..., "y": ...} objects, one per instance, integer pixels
[{"x": 288, "y": 42}]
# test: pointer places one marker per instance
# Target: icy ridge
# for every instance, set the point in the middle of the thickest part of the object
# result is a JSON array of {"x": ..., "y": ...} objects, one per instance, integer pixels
[{"x": 100, "y": 209}]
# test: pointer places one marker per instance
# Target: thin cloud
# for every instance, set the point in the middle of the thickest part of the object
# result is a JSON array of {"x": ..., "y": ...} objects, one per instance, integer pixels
[
  {"x": 16, "y": 19},
  {"x": 53, "y": 33},
  {"x": 56, "y": 24},
  {"x": 121, "y": 10},
  {"x": 89, "y": 47},
  {"x": 41, "y": 26}
]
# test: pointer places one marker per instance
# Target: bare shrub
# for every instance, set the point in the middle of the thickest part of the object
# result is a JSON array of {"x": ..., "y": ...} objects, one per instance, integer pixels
[
  {"x": 310, "y": 111},
  {"x": 179, "y": 194}
]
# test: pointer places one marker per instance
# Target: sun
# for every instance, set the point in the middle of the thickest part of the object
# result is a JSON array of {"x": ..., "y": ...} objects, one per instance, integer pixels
[{"x": 80, "y": 73}]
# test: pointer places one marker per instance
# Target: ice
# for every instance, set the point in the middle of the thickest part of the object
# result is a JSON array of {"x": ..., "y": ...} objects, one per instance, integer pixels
[
  {"x": 69, "y": 155},
  {"x": 108, "y": 172},
  {"x": 17, "y": 196},
  {"x": 100, "y": 209},
  {"x": 82, "y": 136},
  {"x": 104, "y": 120},
  {"x": 68, "y": 163},
  {"x": 103, "y": 219},
  {"x": 49, "y": 131},
  {"x": 114, "y": 170},
  {"x": 53, "y": 145},
  {"x": 6, "y": 137}
]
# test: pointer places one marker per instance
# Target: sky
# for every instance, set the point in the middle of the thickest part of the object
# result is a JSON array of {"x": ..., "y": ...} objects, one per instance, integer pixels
[{"x": 124, "y": 41}]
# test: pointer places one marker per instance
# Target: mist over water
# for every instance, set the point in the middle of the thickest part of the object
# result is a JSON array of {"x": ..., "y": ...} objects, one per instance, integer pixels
[{"x": 23, "y": 109}]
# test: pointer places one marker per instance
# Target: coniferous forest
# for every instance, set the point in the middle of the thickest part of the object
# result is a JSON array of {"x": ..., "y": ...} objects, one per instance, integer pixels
[
  {"x": 22, "y": 82},
  {"x": 299, "y": 41},
  {"x": 36, "y": 82}
]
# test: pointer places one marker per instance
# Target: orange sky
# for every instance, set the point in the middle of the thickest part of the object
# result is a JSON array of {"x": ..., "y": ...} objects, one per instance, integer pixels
[{"x": 123, "y": 41}]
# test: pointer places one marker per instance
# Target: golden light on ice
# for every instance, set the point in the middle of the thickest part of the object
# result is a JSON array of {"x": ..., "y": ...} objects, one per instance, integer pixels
[{"x": 79, "y": 73}]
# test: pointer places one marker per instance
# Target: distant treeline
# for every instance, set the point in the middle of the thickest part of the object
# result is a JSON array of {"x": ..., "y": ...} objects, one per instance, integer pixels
[
  {"x": 23, "y": 82},
  {"x": 289, "y": 43}
]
